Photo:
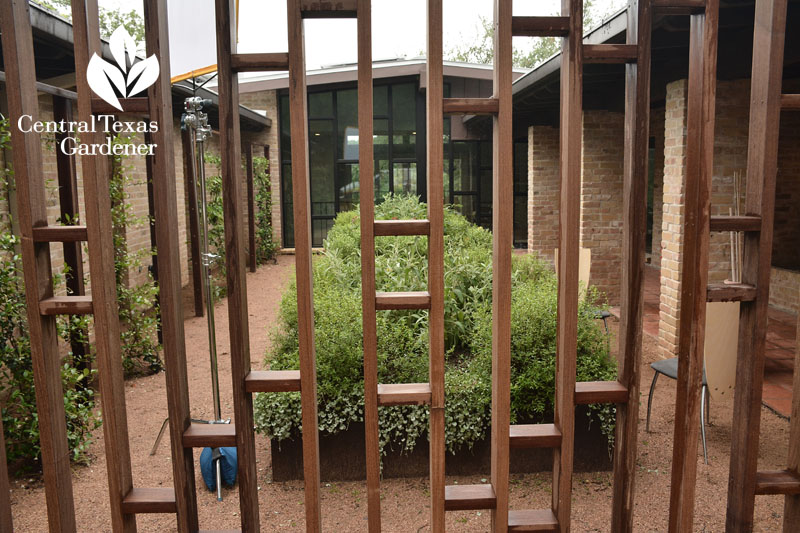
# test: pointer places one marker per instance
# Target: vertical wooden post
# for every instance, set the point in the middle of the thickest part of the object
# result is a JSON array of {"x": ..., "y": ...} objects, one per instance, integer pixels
[
  {"x": 435, "y": 173},
  {"x": 151, "y": 212},
  {"x": 96, "y": 174},
  {"x": 791, "y": 506},
  {"x": 6, "y": 524},
  {"x": 165, "y": 206},
  {"x": 298, "y": 106},
  {"x": 190, "y": 179},
  {"x": 68, "y": 201},
  {"x": 367, "y": 214},
  {"x": 694, "y": 268},
  {"x": 19, "y": 62},
  {"x": 231, "y": 152},
  {"x": 634, "y": 191},
  {"x": 502, "y": 244},
  {"x": 762, "y": 159},
  {"x": 251, "y": 208},
  {"x": 569, "y": 222}
]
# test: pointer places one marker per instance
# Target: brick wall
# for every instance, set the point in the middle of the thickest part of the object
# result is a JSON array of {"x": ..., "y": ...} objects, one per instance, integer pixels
[
  {"x": 786, "y": 244},
  {"x": 784, "y": 289},
  {"x": 268, "y": 101},
  {"x": 543, "y": 187},
  {"x": 657, "y": 133},
  {"x": 730, "y": 156},
  {"x": 601, "y": 198},
  {"x": 601, "y": 195}
]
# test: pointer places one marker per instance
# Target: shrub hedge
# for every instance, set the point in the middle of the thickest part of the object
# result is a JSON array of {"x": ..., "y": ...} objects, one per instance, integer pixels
[{"x": 401, "y": 264}]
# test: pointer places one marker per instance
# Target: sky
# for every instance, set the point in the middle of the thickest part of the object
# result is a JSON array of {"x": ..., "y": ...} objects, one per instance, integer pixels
[{"x": 398, "y": 27}]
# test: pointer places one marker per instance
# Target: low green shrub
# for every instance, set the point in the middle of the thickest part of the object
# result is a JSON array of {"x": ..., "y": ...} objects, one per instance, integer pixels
[{"x": 401, "y": 264}]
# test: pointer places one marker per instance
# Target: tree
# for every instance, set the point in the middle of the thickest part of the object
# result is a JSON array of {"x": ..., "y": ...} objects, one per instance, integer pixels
[
  {"x": 110, "y": 19},
  {"x": 482, "y": 50}
]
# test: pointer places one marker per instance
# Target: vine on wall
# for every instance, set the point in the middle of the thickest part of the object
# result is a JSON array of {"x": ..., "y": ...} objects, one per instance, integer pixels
[{"x": 17, "y": 392}]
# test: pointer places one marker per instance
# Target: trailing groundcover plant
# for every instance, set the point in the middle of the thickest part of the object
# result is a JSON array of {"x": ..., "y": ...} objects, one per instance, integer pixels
[{"x": 401, "y": 264}]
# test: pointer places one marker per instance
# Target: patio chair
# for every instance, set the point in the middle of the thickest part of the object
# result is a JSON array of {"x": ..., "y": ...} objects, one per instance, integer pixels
[
  {"x": 719, "y": 361},
  {"x": 669, "y": 367}
]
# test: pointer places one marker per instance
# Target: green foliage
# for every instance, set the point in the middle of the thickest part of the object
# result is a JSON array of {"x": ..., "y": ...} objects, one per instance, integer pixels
[
  {"x": 216, "y": 223},
  {"x": 401, "y": 264},
  {"x": 17, "y": 390},
  {"x": 481, "y": 50},
  {"x": 110, "y": 19},
  {"x": 266, "y": 247},
  {"x": 138, "y": 308}
]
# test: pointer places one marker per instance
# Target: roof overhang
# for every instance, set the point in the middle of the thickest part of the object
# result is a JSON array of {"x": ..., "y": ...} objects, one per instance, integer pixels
[
  {"x": 55, "y": 29},
  {"x": 380, "y": 70}
]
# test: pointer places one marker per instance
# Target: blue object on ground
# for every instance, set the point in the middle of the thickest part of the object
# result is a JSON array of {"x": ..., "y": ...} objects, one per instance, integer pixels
[{"x": 228, "y": 466}]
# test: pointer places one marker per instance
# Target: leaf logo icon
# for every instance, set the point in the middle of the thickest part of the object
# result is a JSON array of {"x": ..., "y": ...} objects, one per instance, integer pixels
[{"x": 108, "y": 80}]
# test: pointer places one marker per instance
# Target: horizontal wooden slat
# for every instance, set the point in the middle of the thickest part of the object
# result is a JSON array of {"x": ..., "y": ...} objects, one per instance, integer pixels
[
  {"x": 679, "y": 7},
  {"x": 328, "y": 9},
  {"x": 535, "y": 436},
  {"x": 540, "y": 26},
  {"x": 259, "y": 62},
  {"x": 790, "y": 101},
  {"x": 209, "y": 435},
  {"x": 149, "y": 500},
  {"x": 610, "y": 53},
  {"x": 777, "y": 482},
  {"x": 139, "y": 105},
  {"x": 404, "y": 394},
  {"x": 731, "y": 292},
  {"x": 469, "y": 497},
  {"x": 470, "y": 106},
  {"x": 385, "y": 301},
  {"x": 600, "y": 392},
  {"x": 66, "y": 305},
  {"x": 532, "y": 520},
  {"x": 387, "y": 228},
  {"x": 60, "y": 234},
  {"x": 272, "y": 381},
  {"x": 735, "y": 223}
]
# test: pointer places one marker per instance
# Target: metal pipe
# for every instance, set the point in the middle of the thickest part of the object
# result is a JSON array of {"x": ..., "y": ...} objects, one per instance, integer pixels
[{"x": 207, "y": 260}]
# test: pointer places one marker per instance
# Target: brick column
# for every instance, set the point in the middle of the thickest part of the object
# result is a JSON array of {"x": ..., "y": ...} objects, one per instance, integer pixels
[
  {"x": 543, "y": 187},
  {"x": 601, "y": 198},
  {"x": 730, "y": 156},
  {"x": 672, "y": 218}
]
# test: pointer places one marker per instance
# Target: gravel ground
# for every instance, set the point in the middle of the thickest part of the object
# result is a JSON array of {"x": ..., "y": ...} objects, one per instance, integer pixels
[{"x": 405, "y": 501}]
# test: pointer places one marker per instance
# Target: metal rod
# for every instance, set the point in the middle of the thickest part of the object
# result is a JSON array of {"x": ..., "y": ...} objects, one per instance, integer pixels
[{"x": 207, "y": 260}]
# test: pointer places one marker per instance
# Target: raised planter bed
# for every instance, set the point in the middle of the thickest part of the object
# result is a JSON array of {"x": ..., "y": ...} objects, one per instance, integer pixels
[{"x": 342, "y": 456}]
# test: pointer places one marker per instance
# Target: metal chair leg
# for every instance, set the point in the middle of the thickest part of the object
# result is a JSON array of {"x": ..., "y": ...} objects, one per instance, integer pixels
[
  {"x": 650, "y": 399},
  {"x": 703, "y": 421},
  {"x": 708, "y": 406}
]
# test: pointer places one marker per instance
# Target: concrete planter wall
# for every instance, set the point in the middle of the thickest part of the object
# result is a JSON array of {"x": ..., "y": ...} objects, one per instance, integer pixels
[{"x": 342, "y": 456}]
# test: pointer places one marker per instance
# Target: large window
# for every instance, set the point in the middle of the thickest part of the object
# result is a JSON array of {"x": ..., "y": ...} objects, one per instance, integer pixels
[
  {"x": 333, "y": 152},
  {"x": 399, "y": 151},
  {"x": 468, "y": 183}
]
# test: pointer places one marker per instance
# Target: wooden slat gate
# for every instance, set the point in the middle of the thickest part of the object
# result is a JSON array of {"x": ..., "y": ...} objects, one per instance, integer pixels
[{"x": 127, "y": 501}]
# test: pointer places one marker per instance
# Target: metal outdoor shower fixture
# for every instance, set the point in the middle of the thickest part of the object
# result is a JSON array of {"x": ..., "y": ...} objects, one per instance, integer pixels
[{"x": 196, "y": 120}]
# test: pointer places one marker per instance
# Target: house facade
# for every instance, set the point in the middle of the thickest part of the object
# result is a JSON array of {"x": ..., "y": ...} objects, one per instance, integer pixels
[
  {"x": 399, "y": 142},
  {"x": 535, "y": 115}
]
